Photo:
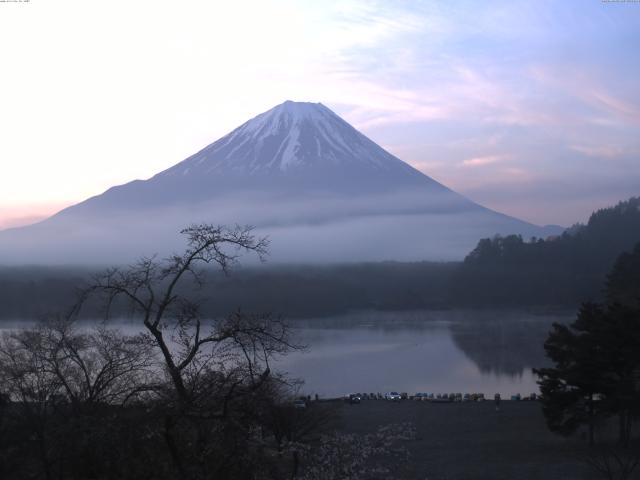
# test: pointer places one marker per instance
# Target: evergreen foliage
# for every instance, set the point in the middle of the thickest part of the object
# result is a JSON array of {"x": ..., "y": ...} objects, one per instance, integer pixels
[
  {"x": 596, "y": 371},
  {"x": 558, "y": 270}
]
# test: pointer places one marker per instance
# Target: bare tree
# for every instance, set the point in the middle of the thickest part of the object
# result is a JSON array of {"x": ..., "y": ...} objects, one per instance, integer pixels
[
  {"x": 218, "y": 369},
  {"x": 97, "y": 366},
  {"x": 32, "y": 389},
  {"x": 59, "y": 379},
  {"x": 192, "y": 396}
]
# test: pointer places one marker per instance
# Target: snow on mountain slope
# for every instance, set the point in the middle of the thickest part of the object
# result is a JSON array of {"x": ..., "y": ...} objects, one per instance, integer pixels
[
  {"x": 298, "y": 149},
  {"x": 291, "y": 136},
  {"x": 297, "y": 172}
]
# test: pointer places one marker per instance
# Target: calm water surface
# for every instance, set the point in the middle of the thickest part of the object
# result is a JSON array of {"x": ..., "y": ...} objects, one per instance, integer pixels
[
  {"x": 435, "y": 352},
  {"x": 427, "y": 351}
]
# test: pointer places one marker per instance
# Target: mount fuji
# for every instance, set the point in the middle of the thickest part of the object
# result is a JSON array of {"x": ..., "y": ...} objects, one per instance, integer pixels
[{"x": 299, "y": 173}]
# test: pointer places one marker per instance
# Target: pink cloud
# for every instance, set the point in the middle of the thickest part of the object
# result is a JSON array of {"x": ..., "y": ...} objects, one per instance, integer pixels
[
  {"x": 481, "y": 161},
  {"x": 586, "y": 87},
  {"x": 616, "y": 106}
]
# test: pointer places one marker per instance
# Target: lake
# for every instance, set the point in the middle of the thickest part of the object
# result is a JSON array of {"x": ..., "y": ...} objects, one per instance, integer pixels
[
  {"x": 426, "y": 351},
  {"x": 448, "y": 351}
]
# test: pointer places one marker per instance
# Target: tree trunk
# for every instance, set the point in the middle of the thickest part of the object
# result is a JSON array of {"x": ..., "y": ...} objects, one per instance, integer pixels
[
  {"x": 624, "y": 428},
  {"x": 591, "y": 421},
  {"x": 296, "y": 464}
]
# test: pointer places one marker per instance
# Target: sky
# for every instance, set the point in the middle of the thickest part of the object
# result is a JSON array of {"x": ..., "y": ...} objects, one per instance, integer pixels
[{"x": 529, "y": 108}]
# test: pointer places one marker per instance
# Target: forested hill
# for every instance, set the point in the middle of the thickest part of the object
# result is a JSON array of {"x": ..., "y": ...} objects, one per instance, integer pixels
[{"x": 558, "y": 270}]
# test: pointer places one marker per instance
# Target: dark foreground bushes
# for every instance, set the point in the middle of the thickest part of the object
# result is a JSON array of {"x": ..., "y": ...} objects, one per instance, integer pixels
[{"x": 97, "y": 404}]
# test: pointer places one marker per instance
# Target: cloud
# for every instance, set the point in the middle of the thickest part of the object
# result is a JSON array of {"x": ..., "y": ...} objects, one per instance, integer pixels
[
  {"x": 482, "y": 161},
  {"x": 623, "y": 109},
  {"x": 599, "y": 151},
  {"x": 587, "y": 86}
]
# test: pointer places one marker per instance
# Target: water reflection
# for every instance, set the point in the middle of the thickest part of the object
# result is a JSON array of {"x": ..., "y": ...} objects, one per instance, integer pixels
[
  {"x": 427, "y": 351},
  {"x": 446, "y": 351}
]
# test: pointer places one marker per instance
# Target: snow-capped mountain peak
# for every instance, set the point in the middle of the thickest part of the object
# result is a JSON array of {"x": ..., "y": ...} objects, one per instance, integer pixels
[{"x": 290, "y": 137}]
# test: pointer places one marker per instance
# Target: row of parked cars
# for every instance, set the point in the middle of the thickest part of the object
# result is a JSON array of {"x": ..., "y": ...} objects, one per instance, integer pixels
[
  {"x": 449, "y": 397},
  {"x": 358, "y": 397},
  {"x": 429, "y": 397}
]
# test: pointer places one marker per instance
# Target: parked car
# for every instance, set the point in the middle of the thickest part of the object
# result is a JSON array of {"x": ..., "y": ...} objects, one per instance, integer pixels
[
  {"x": 444, "y": 398},
  {"x": 300, "y": 403},
  {"x": 393, "y": 396},
  {"x": 354, "y": 398}
]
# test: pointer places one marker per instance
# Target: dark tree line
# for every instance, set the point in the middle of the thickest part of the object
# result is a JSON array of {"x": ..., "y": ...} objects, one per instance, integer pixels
[
  {"x": 564, "y": 270},
  {"x": 623, "y": 283},
  {"x": 298, "y": 291}
]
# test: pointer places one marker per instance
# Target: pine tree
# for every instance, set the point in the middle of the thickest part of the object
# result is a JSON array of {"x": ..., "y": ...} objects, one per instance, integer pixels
[
  {"x": 570, "y": 390},
  {"x": 596, "y": 372}
]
